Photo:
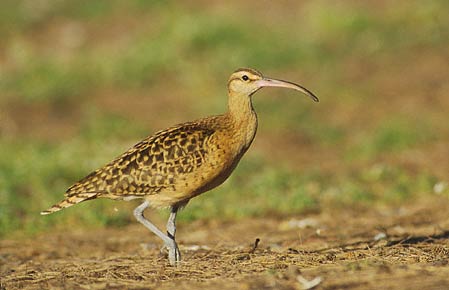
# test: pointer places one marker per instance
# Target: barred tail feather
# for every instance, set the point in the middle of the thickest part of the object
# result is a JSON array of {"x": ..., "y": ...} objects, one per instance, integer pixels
[{"x": 69, "y": 201}]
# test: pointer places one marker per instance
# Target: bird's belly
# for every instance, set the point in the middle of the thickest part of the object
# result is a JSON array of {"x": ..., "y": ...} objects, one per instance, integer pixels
[
  {"x": 187, "y": 186},
  {"x": 216, "y": 179},
  {"x": 222, "y": 169}
]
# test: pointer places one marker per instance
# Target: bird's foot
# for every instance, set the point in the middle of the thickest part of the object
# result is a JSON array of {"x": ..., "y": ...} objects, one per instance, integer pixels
[{"x": 174, "y": 255}]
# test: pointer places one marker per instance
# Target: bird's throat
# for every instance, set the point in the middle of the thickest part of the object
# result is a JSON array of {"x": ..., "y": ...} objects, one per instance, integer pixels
[
  {"x": 240, "y": 107},
  {"x": 243, "y": 119}
]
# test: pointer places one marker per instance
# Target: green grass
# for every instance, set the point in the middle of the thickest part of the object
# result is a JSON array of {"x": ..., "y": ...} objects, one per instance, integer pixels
[
  {"x": 392, "y": 136},
  {"x": 66, "y": 55}
]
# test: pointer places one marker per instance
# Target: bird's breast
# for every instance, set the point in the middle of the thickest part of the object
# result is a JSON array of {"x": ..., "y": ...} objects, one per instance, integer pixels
[{"x": 227, "y": 150}]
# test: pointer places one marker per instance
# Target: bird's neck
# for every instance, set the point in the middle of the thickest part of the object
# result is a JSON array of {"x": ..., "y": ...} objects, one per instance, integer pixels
[
  {"x": 240, "y": 107},
  {"x": 243, "y": 118}
]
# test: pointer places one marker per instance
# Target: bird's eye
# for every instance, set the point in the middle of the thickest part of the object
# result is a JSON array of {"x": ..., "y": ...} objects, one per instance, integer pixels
[{"x": 245, "y": 78}]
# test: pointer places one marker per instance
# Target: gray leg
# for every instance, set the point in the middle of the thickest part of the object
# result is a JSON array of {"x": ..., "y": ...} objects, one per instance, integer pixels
[
  {"x": 171, "y": 224},
  {"x": 171, "y": 230},
  {"x": 173, "y": 251}
]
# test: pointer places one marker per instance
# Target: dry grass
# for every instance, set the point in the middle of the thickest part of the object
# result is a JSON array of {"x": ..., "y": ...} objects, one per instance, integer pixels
[{"x": 383, "y": 248}]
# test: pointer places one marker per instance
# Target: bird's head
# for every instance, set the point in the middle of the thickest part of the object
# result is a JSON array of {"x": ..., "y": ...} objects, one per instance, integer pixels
[{"x": 247, "y": 81}]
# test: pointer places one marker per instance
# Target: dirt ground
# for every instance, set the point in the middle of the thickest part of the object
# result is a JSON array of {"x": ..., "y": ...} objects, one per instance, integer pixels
[{"x": 382, "y": 248}]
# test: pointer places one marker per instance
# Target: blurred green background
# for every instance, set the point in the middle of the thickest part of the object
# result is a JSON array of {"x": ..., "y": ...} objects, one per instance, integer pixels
[{"x": 82, "y": 81}]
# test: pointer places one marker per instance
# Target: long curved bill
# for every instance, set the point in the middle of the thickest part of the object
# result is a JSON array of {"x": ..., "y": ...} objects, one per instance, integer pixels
[{"x": 266, "y": 82}]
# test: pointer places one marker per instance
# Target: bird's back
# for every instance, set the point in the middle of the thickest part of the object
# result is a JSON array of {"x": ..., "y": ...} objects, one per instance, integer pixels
[{"x": 166, "y": 168}]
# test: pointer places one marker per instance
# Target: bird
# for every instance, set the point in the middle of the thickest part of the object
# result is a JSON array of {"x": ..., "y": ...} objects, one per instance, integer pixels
[{"x": 170, "y": 167}]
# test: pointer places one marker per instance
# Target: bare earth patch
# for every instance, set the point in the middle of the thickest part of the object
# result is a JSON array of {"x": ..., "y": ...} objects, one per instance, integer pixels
[{"x": 385, "y": 248}]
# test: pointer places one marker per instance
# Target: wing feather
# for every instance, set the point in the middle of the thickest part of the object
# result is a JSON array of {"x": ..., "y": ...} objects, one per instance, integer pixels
[{"x": 151, "y": 165}]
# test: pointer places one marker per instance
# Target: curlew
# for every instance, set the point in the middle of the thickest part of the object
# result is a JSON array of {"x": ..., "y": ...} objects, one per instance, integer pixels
[{"x": 174, "y": 165}]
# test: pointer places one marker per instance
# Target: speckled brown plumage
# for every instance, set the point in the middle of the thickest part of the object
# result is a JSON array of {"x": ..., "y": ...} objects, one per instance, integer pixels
[
  {"x": 179, "y": 162},
  {"x": 172, "y": 166}
]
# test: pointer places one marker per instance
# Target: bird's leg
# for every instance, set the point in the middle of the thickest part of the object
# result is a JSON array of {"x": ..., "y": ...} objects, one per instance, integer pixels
[
  {"x": 171, "y": 232},
  {"x": 168, "y": 241},
  {"x": 171, "y": 223}
]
